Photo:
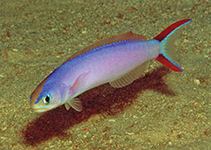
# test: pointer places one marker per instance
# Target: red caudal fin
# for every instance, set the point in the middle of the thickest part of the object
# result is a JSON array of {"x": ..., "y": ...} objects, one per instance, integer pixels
[
  {"x": 168, "y": 63},
  {"x": 167, "y": 39},
  {"x": 171, "y": 29}
]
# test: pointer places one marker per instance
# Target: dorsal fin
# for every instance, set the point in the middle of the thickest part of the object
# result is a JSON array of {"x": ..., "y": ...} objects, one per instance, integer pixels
[{"x": 127, "y": 36}]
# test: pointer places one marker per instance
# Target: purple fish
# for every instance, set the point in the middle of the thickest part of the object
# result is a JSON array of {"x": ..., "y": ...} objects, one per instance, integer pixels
[{"x": 118, "y": 61}]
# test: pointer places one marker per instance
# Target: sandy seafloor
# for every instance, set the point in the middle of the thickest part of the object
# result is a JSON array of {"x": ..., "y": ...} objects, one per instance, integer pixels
[{"x": 161, "y": 110}]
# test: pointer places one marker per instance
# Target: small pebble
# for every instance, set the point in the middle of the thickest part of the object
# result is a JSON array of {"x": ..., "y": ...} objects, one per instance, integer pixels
[
  {"x": 15, "y": 50},
  {"x": 129, "y": 133},
  {"x": 111, "y": 120},
  {"x": 134, "y": 116},
  {"x": 5, "y": 128},
  {"x": 84, "y": 32},
  {"x": 196, "y": 81}
]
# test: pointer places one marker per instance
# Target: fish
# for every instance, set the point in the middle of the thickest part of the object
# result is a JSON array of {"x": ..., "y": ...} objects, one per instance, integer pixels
[{"x": 118, "y": 61}]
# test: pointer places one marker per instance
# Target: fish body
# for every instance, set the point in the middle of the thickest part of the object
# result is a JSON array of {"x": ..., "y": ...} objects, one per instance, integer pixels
[{"x": 118, "y": 61}]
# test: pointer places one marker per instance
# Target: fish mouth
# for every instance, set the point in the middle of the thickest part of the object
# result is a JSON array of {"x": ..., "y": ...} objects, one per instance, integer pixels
[{"x": 40, "y": 110}]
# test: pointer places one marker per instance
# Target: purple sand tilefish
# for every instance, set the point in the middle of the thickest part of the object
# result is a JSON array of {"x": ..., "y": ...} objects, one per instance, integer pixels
[{"x": 118, "y": 61}]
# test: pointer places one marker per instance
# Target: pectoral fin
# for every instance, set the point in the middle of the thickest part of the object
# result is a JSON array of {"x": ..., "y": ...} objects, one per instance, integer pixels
[
  {"x": 79, "y": 83},
  {"x": 77, "y": 87}
]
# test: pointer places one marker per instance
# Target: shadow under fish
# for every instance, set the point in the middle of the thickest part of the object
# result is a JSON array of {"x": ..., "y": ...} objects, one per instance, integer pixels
[{"x": 100, "y": 100}]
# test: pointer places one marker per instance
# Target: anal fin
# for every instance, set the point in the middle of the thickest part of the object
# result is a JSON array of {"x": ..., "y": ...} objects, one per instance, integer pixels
[{"x": 129, "y": 77}]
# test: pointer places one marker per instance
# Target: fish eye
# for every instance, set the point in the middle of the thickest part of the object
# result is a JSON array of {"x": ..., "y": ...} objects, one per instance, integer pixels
[{"x": 46, "y": 99}]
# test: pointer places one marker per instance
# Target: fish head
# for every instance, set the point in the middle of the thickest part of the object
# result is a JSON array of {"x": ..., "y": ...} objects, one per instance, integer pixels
[{"x": 47, "y": 96}]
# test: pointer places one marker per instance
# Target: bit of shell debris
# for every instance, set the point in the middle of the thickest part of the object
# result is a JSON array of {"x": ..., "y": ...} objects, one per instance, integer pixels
[
  {"x": 128, "y": 133},
  {"x": 111, "y": 120},
  {"x": 196, "y": 81},
  {"x": 84, "y": 32}
]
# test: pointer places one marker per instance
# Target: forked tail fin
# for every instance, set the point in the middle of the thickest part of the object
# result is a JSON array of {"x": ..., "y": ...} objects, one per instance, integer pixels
[{"x": 167, "y": 39}]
